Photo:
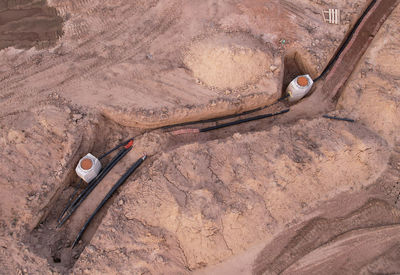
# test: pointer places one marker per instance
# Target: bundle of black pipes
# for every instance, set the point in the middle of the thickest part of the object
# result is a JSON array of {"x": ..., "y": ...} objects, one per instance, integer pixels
[
  {"x": 74, "y": 204},
  {"x": 226, "y": 117},
  {"x": 108, "y": 196},
  {"x": 236, "y": 122}
]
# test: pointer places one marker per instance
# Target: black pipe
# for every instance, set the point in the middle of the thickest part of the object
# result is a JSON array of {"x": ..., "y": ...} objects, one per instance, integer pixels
[
  {"x": 108, "y": 196},
  {"x": 339, "y": 118},
  {"x": 346, "y": 42},
  {"x": 70, "y": 200},
  {"x": 225, "y": 117},
  {"x": 78, "y": 201},
  {"x": 108, "y": 167},
  {"x": 104, "y": 170},
  {"x": 242, "y": 121},
  {"x": 115, "y": 148}
]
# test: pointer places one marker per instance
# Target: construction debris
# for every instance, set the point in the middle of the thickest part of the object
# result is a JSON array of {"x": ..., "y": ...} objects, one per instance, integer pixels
[{"x": 331, "y": 16}]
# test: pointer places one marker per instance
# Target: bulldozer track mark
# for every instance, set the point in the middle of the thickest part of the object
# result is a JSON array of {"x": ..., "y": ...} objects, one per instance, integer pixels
[{"x": 320, "y": 231}]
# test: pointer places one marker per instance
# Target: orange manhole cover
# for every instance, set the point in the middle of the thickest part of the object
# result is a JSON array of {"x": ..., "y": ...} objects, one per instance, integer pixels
[
  {"x": 86, "y": 164},
  {"x": 302, "y": 81}
]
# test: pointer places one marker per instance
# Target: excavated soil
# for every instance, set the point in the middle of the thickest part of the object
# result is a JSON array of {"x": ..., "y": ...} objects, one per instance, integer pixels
[
  {"x": 228, "y": 65},
  {"x": 294, "y": 194}
]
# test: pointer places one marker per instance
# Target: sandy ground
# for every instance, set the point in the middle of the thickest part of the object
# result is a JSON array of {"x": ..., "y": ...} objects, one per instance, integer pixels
[{"x": 294, "y": 196}]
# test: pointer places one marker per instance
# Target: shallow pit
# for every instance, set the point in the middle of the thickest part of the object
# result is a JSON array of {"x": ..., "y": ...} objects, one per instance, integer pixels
[
  {"x": 228, "y": 61},
  {"x": 295, "y": 64}
]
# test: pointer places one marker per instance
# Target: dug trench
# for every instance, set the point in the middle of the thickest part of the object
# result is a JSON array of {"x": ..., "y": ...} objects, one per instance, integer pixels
[
  {"x": 295, "y": 64},
  {"x": 54, "y": 244}
]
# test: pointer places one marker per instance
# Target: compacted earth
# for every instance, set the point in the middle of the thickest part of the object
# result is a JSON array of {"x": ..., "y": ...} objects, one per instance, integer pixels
[{"x": 294, "y": 194}]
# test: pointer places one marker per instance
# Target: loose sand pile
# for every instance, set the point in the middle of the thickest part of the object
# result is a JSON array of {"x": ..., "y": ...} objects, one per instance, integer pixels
[{"x": 226, "y": 67}]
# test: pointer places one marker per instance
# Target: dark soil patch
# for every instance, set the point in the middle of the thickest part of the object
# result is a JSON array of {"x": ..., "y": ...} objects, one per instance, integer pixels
[{"x": 28, "y": 24}]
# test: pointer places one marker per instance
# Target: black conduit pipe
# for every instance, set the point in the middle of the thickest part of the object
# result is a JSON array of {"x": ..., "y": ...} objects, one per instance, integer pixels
[
  {"x": 108, "y": 196},
  {"x": 116, "y": 148},
  {"x": 70, "y": 200},
  {"x": 225, "y": 117},
  {"x": 72, "y": 203},
  {"x": 242, "y": 121},
  {"x": 78, "y": 201},
  {"x": 339, "y": 118},
  {"x": 346, "y": 42}
]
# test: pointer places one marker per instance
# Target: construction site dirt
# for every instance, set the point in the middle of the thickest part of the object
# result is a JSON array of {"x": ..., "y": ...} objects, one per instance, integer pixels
[{"x": 237, "y": 180}]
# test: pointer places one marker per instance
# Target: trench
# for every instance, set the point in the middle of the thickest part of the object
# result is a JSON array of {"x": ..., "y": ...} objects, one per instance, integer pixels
[
  {"x": 55, "y": 244},
  {"x": 295, "y": 64}
]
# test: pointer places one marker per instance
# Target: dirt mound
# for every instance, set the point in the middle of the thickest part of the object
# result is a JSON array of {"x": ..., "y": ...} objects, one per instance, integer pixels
[{"x": 229, "y": 66}]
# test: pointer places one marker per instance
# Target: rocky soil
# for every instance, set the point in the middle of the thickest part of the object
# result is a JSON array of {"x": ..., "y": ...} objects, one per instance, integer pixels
[{"x": 305, "y": 195}]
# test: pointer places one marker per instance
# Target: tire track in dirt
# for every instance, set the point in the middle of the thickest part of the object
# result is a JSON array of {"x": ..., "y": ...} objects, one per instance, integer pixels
[
  {"x": 81, "y": 52},
  {"x": 17, "y": 30},
  {"x": 322, "y": 231}
]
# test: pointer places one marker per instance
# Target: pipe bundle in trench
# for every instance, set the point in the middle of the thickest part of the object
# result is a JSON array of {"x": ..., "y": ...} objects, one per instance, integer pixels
[
  {"x": 108, "y": 196},
  {"x": 73, "y": 205},
  {"x": 232, "y": 123}
]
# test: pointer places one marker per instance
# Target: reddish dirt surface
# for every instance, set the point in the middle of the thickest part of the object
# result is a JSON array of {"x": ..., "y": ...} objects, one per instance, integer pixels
[{"x": 295, "y": 194}]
